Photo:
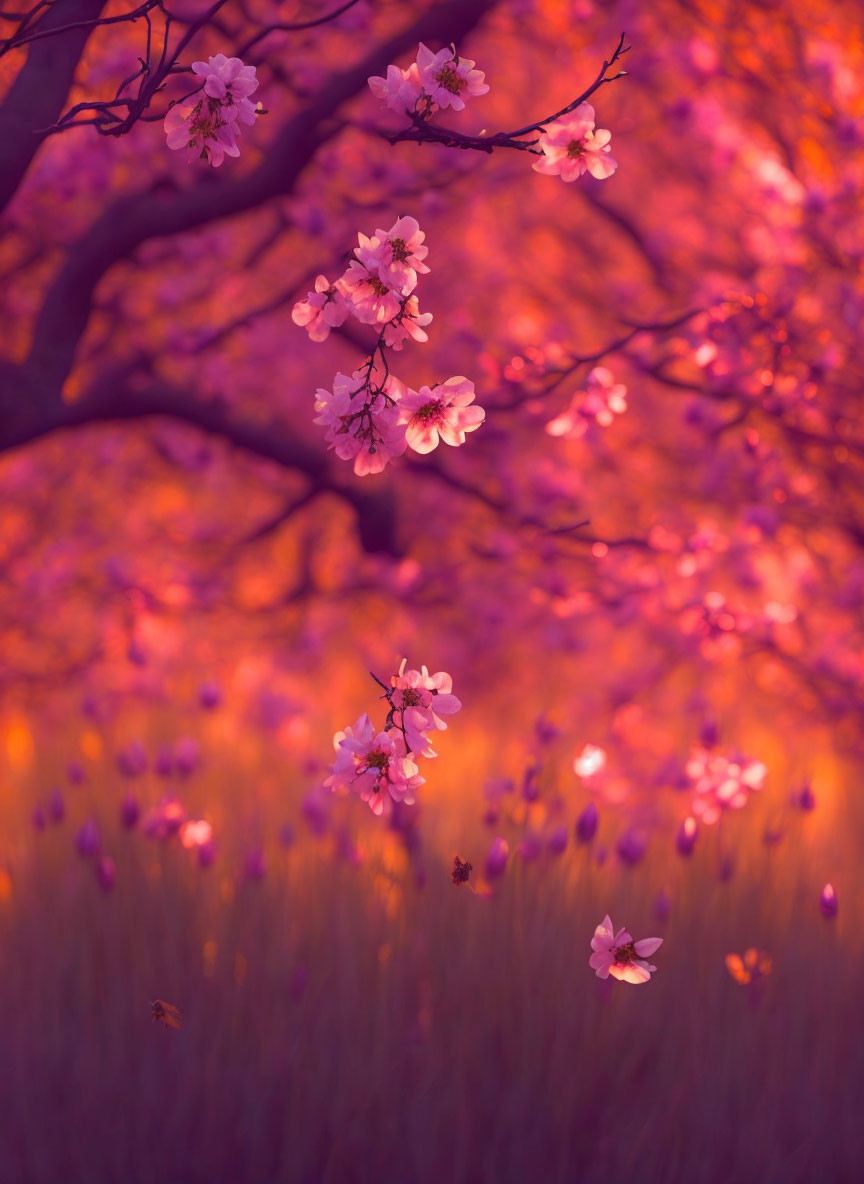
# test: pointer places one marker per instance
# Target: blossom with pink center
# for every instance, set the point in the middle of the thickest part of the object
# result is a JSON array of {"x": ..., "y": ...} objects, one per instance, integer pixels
[
  {"x": 419, "y": 699},
  {"x": 400, "y": 90},
  {"x": 362, "y": 425},
  {"x": 440, "y": 411},
  {"x": 375, "y": 766},
  {"x": 619, "y": 955},
  {"x": 570, "y": 145},
  {"x": 322, "y": 310},
  {"x": 395, "y": 255},
  {"x": 369, "y": 298},
  {"x": 410, "y": 323},
  {"x": 448, "y": 79},
  {"x": 722, "y": 783},
  {"x": 600, "y": 401}
]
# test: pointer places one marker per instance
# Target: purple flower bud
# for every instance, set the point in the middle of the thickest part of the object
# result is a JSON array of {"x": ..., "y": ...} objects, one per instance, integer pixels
[
  {"x": 545, "y": 730},
  {"x": 662, "y": 905},
  {"x": 557, "y": 840},
  {"x": 709, "y": 733},
  {"x": 129, "y": 812},
  {"x": 496, "y": 860},
  {"x": 75, "y": 774},
  {"x": 685, "y": 840},
  {"x": 254, "y": 865},
  {"x": 530, "y": 847},
  {"x": 187, "y": 754},
  {"x": 630, "y": 847},
  {"x": 210, "y": 695},
  {"x": 586, "y": 824},
  {"x": 87, "y": 840},
  {"x": 106, "y": 873},
  {"x": 38, "y": 818},
  {"x": 164, "y": 765},
  {"x": 805, "y": 799},
  {"x": 828, "y": 902},
  {"x": 132, "y": 760},
  {"x": 56, "y": 806}
]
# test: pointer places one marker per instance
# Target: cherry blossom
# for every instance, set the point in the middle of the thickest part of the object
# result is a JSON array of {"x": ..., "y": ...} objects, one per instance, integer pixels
[
  {"x": 370, "y": 299},
  {"x": 619, "y": 955},
  {"x": 570, "y": 145},
  {"x": 395, "y": 255},
  {"x": 400, "y": 90},
  {"x": 411, "y": 323},
  {"x": 722, "y": 783},
  {"x": 445, "y": 77},
  {"x": 362, "y": 422},
  {"x": 208, "y": 126},
  {"x": 441, "y": 411},
  {"x": 419, "y": 699},
  {"x": 322, "y": 310},
  {"x": 374, "y": 765}
]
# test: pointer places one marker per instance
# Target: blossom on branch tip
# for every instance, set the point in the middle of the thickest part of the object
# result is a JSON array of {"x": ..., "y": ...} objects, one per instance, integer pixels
[
  {"x": 208, "y": 126},
  {"x": 441, "y": 411},
  {"x": 602, "y": 399},
  {"x": 418, "y": 699},
  {"x": 619, "y": 955},
  {"x": 322, "y": 310},
  {"x": 445, "y": 77},
  {"x": 570, "y": 146},
  {"x": 369, "y": 298},
  {"x": 411, "y": 322}
]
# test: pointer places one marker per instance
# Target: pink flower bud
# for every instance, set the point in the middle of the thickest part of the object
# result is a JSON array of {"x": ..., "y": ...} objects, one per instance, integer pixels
[
  {"x": 106, "y": 873},
  {"x": 685, "y": 840},
  {"x": 129, "y": 812},
  {"x": 496, "y": 860},
  {"x": 557, "y": 841},
  {"x": 87, "y": 840}
]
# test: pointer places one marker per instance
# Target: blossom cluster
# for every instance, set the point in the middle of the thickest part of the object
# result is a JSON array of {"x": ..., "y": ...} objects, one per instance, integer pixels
[
  {"x": 433, "y": 81},
  {"x": 381, "y": 767},
  {"x": 370, "y": 416},
  {"x": 571, "y": 146},
  {"x": 208, "y": 124},
  {"x": 602, "y": 399},
  {"x": 722, "y": 782}
]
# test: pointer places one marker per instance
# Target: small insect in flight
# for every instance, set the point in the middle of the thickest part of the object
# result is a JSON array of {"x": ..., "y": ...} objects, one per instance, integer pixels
[{"x": 167, "y": 1013}]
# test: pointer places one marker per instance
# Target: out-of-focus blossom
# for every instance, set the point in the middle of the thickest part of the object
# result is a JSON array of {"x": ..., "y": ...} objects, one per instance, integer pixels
[
  {"x": 619, "y": 955},
  {"x": 530, "y": 847},
  {"x": 749, "y": 967},
  {"x": 828, "y": 901},
  {"x": 441, "y": 411},
  {"x": 195, "y": 833},
  {"x": 586, "y": 823},
  {"x": 570, "y": 145},
  {"x": 590, "y": 760},
  {"x": 75, "y": 774},
  {"x": 722, "y": 783},
  {"x": 165, "y": 820},
  {"x": 805, "y": 799},
  {"x": 601, "y": 400}
]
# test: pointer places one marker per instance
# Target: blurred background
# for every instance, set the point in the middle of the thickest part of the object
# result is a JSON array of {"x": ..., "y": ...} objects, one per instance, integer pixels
[{"x": 653, "y": 621}]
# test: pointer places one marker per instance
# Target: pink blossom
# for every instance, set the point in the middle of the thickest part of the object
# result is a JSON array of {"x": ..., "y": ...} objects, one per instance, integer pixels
[
  {"x": 570, "y": 145},
  {"x": 600, "y": 401},
  {"x": 202, "y": 128},
  {"x": 231, "y": 83},
  {"x": 440, "y": 411},
  {"x": 445, "y": 77},
  {"x": 322, "y": 310},
  {"x": 361, "y": 425},
  {"x": 395, "y": 255},
  {"x": 419, "y": 700},
  {"x": 369, "y": 298},
  {"x": 617, "y": 954},
  {"x": 374, "y": 766},
  {"x": 410, "y": 323},
  {"x": 400, "y": 90},
  {"x": 591, "y": 760}
]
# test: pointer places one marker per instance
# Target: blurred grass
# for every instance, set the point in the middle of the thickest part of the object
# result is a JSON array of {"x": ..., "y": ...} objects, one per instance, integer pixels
[{"x": 344, "y": 1024}]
